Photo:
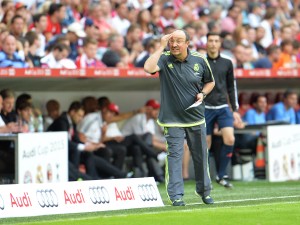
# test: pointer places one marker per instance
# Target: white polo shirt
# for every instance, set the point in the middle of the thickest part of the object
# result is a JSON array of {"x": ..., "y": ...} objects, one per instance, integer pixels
[
  {"x": 138, "y": 125},
  {"x": 90, "y": 126}
]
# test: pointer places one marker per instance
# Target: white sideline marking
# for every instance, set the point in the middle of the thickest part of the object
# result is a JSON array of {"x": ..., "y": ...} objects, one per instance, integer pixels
[
  {"x": 250, "y": 199},
  {"x": 181, "y": 208}
]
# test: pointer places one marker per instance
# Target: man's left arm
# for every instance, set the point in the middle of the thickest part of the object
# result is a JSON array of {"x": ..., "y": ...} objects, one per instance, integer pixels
[
  {"x": 231, "y": 88},
  {"x": 232, "y": 93},
  {"x": 208, "y": 80}
]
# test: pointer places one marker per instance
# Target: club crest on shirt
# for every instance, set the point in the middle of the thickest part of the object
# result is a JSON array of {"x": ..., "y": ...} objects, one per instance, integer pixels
[
  {"x": 196, "y": 67},
  {"x": 170, "y": 66}
]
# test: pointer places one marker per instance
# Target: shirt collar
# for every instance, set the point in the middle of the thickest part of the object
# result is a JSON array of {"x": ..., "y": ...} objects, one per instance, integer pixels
[
  {"x": 186, "y": 59},
  {"x": 213, "y": 58}
]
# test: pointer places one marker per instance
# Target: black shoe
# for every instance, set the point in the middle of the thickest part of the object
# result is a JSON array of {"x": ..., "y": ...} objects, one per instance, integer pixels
[
  {"x": 224, "y": 182},
  {"x": 178, "y": 202},
  {"x": 207, "y": 199}
]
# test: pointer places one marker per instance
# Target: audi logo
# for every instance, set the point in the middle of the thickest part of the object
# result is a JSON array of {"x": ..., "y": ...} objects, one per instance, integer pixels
[
  {"x": 147, "y": 192},
  {"x": 47, "y": 198},
  {"x": 99, "y": 195},
  {"x": 1, "y": 203}
]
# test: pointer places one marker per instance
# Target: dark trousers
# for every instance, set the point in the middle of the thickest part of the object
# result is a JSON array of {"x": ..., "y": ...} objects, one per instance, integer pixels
[
  {"x": 113, "y": 152},
  {"x": 196, "y": 140}
]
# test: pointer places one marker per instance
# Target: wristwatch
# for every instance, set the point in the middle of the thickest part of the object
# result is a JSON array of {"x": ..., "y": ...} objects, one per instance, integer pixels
[{"x": 204, "y": 94}]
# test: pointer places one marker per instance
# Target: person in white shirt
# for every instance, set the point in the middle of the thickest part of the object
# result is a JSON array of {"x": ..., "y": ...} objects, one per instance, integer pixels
[
  {"x": 54, "y": 59},
  {"x": 133, "y": 144}
]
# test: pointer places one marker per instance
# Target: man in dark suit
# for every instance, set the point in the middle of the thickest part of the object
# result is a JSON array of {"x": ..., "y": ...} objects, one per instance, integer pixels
[{"x": 80, "y": 152}]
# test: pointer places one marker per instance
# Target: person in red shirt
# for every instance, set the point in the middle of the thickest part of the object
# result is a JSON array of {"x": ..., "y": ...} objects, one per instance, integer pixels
[
  {"x": 88, "y": 58},
  {"x": 56, "y": 14}
]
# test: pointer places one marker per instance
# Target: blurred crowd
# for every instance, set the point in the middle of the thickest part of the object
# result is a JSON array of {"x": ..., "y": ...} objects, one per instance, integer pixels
[{"x": 118, "y": 33}]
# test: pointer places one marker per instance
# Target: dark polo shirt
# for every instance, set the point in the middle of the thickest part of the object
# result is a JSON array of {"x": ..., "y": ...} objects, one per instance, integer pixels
[{"x": 180, "y": 82}]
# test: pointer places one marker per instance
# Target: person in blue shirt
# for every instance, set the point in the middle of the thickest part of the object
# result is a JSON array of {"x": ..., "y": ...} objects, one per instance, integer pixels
[
  {"x": 273, "y": 53},
  {"x": 284, "y": 111},
  {"x": 8, "y": 56},
  {"x": 255, "y": 115},
  {"x": 298, "y": 116}
]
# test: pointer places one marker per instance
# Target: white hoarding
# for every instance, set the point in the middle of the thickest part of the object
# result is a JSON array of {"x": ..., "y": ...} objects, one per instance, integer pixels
[
  {"x": 23, "y": 200},
  {"x": 43, "y": 157},
  {"x": 283, "y": 153}
]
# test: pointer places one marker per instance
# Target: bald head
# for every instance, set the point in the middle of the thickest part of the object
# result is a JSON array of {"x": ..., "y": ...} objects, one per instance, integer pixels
[
  {"x": 181, "y": 34},
  {"x": 9, "y": 45}
]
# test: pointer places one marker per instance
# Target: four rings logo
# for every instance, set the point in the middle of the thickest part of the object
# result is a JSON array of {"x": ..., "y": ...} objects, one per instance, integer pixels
[
  {"x": 147, "y": 192},
  {"x": 99, "y": 195},
  {"x": 1, "y": 203},
  {"x": 47, "y": 198}
]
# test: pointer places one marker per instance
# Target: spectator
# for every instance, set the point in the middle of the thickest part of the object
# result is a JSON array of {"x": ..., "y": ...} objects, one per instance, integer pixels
[
  {"x": 133, "y": 42},
  {"x": 268, "y": 24},
  {"x": 53, "y": 59},
  {"x": 255, "y": 15},
  {"x": 155, "y": 10},
  {"x": 298, "y": 116},
  {"x": 112, "y": 57},
  {"x": 144, "y": 21},
  {"x": 91, "y": 30},
  {"x": 105, "y": 28},
  {"x": 273, "y": 54},
  {"x": 34, "y": 44},
  {"x": 6, "y": 128},
  {"x": 260, "y": 33},
  {"x": 40, "y": 24},
  {"x": 70, "y": 15},
  {"x": 285, "y": 58},
  {"x": 88, "y": 58},
  {"x": 7, "y": 17},
  {"x": 56, "y": 14},
  {"x": 24, "y": 112},
  {"x": 150, "y": 45},
  {"x": 17, "y": 26},
  {"x": 120, "y": 21},
  {"x": 106, "y": 10},
  {"x": 8, "y": 56},
  {"x": 257, "y": 114},
  {"x": 74, "y": 33},
  {"x": 185, "y": 17},
  {"x": 232, "y": 20},
  {"x": 7, "y": 113},
  {"x": 204, "y": 15},
  {"x": 239, "y": 52},
  {"x": 167, "y": 16},
  {"x": 251, "y": 38},
  {"x": 286, "y": 34},
  {"x": 284, "y": 110},
  {"x": 53, "y": 112},
  {"x": 80, "y": 152},
  {"x": 93, "y": 127},
  {"x": 21, "y": 10}
]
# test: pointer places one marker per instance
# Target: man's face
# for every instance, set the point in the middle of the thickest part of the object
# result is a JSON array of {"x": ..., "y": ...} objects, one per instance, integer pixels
[
  {"x": 261, "y": 104},
  {"x": 18, "y": 26},
  {"x": 291, "y": 100},
  {"x": 90, "y": 50},
  {"x": 77, "y": 116},
  {"x": 43, "y": 23},
  {"x": 59, "y": 55},
  {"x": 178, "y": 44},
  {"x": 107, "y": 115},
  {"x": 10, "y": 45},
  {"x": 213, "y": 44},
  {"x": 25, "y": 114},
  {"x": 8, "y": 104}
]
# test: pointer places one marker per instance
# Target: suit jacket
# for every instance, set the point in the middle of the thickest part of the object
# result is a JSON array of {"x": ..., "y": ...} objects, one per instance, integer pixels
[{"x": 62, "y": 124}]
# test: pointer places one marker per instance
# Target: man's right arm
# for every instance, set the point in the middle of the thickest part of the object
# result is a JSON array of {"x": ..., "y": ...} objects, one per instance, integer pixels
[{"x": 150, "y": 65}]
